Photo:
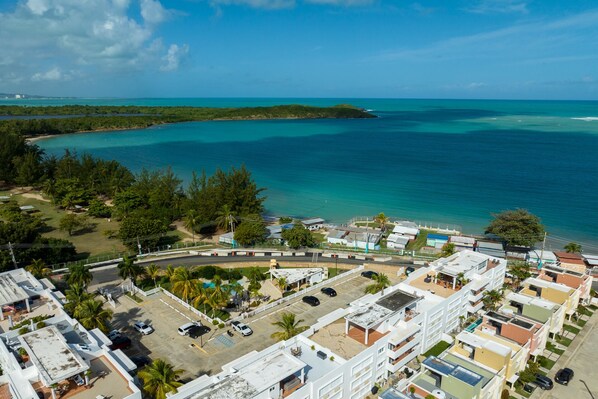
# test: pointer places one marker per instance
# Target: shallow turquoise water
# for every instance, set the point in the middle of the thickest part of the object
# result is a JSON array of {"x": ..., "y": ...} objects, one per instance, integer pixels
[{"x": 452, "y": 162}]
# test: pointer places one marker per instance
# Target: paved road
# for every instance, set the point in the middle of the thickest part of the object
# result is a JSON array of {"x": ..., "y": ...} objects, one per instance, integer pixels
[
  {"x": 581, "y": 358},
  {"x": 106, "y": 275}
]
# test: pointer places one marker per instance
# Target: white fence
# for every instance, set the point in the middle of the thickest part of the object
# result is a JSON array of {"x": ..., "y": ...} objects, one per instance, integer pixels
[{"x": 296, "y": 294}]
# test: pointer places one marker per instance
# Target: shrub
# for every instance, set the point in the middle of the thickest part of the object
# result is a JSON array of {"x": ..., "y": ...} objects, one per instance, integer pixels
[
  {"x": 254, "y": 304},
  {"x": 313, "y": 347},
  {"x": 332, "y": 358},
  {"x": 221, "y": 325},
  {"x": 285, "y": 219},
  {"x": 505, "y": 394},
  {"x": 22, "y": 351},
  {"x": 23, "y": 330},
  {"x": 99, "y": 210},
  {"x": 41, "y": 324},
  {"x": 215, "y": 322},
  {"x": 207, "y": 272}
]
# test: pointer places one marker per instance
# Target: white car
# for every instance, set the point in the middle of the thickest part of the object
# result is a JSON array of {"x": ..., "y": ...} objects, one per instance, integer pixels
[
  {"x": 78, "y": 380},
  {"x": 184, "y": 329},
  {"x": 143, "y": 328},
  {"x": 113, "y": 334},
  {"x": 83, "y": 347},
  {"x": 242, "y": 328}
]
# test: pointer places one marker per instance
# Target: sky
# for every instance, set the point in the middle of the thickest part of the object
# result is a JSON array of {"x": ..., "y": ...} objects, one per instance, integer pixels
[{"x": 502, "y": 49}]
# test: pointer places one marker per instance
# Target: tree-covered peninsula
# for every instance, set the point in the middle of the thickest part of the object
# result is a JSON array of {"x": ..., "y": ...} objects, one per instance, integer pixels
[{"x": 80, "y": 118}]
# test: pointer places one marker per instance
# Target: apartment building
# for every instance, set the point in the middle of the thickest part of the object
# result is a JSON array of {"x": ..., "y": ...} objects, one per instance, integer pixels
[
  {"x": 541, "y": 310},
  {"x": 58, "y": 356},
  {"x": 517, "y": 328},
  {"x": 573, "y": 278},
  {"x": 553, "y": 292}
]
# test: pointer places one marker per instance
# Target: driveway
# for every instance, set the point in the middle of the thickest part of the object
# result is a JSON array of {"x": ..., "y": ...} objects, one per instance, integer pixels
[{"x": 215, "y": 349}]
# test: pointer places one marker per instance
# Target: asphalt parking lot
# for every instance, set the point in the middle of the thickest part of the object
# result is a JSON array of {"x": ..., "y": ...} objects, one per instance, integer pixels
[{"x": 218, "y": 349}]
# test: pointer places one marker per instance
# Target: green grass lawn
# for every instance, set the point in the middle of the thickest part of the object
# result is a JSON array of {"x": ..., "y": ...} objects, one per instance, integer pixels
[
  {"x": 581, "y": 323},
  {"x": 520, "y": 391},
  {"x": 437, "y": 349},
  {"x": 419, "y": 242},
  {"x": 545, "y": 362},
  {"x": 552, "y": 347},
  {"x": 571, "y": 329},
  {"x": 318, "y": 237},
  {"x": 593, "y": 307},
  {"x": 564, "y": 341}
]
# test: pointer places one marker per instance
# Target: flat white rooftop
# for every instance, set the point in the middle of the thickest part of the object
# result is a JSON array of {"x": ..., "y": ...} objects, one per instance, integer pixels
[
  {"x": 480, "y": 342},
  {"x": 547, "y": 256},
  {"x": 271, "y": 369},
  {"x": 526, "y": 300},
  {"x": 293, "y": 275},
  {"x": 52, "y": 356},
  {"x": 547, "y": 284},
  {"x": 460, "y": 262}
]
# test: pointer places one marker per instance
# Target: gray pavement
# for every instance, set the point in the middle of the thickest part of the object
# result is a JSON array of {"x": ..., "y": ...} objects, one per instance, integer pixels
[
  {"x": 581, "y": 358},
  {"x": 218, "y": 349}
]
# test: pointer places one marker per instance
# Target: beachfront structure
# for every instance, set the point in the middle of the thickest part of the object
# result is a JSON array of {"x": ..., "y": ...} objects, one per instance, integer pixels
[
  {"x": 406, "y": 229},
  {"x": 571, "y": 261},
  {"x": 491, "y": 248},
  {"x": 436, "y": 240},
  {"x": 537, "y": 309},
  {"x": 59, "y": 357},
  {"x": 462, "y": 242},
  {"x": 554, "y": 292},
  {"x": 517, "y": 328},
  {"x": 300, "y": 276},
  {"x": 397, "y": 241},
  {"x": 455, "y": 377},
  {"x": 313, "y": 224},
  {"x": 349, "y": 350},
  {"x": 560, "y": 274},
  {"x": 547, "y": 257},
  {"x": 355, "y": 238}
]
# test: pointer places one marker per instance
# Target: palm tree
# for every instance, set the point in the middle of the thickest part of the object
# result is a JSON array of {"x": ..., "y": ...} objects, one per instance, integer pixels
[
  {"x": 381, "y": 282},
  {"x": 382, "y": 220},
  {"x": 289, "y": 327},
  {"x": 237, "y": 288},
  {"x": 282, "y": 284},
  {"x": 447, "y": 250},
  {"x": 201, "y": 296},
  {"x": 128, "y": 269},
  {"x": 170, "y": 272},
  {"x": 79, "y": 274},
  {"x": 491, "y": 299},
  {"x": 75, "y": 295},
  {"x": 225, "y": 219},
  {"x": 153, "y": 271},
  {"x": 573, "y": 248},
  {"x": 520, "y": 271},
  {"x": 39, "y": 269},
  {"x": 159, "y": 379},
  {"x": 183, "y": 283},
  {"x": 191, "y": 220},
  {"x": 91, "y": 314},
  {"x": 219, "y": 295}
]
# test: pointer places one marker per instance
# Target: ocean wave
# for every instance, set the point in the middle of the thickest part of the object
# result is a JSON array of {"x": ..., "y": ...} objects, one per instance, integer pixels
[{"x": 587, "y": 118}]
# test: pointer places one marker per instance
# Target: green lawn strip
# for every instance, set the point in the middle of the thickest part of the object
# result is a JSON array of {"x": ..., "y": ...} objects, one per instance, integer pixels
[
  {"x": 571, "y": 329},
  {"x": 581, "y": 323},
  {"x": 134, "y": 297},
  {"x": 552, "y": 348},
  {"x": 437, "y": 349},
  {"x": 593, "y": 307},
  {"x": 520, "y": 391},
  {"x": 420, "y": 241},
  {"x": 564, "y": 341}
]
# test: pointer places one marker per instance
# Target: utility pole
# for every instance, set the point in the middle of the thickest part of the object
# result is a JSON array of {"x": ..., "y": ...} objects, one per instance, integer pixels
[
  {"x": 12, "y": 254},
  {"x": 138, "y": 245},
  {"x": 542, "y": 253}
]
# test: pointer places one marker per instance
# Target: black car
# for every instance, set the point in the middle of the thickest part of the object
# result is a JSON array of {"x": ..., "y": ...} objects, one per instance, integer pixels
[
  {"x": 329, "y": 291},
  {"x": 120, "y": 342},
  {"x": 543, "y": 382},
  {"x": 140, "y": 361},
  {"x": 197, "y": 331},
  {"x": 369, "y": 274},
  {"x": 564, "y": 376},
  {"x": 312, "y": 300}
]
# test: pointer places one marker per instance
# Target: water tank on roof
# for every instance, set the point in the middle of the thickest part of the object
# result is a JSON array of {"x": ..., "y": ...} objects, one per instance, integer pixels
[{"x": 439, "y": 394}]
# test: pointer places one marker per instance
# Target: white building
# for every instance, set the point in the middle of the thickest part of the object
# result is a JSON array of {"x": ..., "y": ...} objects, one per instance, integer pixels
[
  {"x": 397, "y": 241},
  {"x": 462, "y": 242},
  {"x": 349, "y": 350},
  {"x": 313, "y": 224},
  {"x": 407, "y": 229},
  {"x": 299, "y": 276},
  {"x": 60, "y": 355}
]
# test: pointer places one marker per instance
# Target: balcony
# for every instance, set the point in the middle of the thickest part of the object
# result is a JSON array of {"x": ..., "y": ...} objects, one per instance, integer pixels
[
  {"x": 394, "y": 348},
  {"x": 396, "y": 364}
]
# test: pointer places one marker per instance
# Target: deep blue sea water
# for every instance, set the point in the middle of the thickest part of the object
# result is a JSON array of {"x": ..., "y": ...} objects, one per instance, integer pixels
[{"x": 446, "y": 161}]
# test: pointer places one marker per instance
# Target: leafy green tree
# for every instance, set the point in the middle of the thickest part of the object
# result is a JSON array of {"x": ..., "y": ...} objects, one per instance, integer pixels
[
  {"x": 281, "y": 283},
  {"x": 38, "y": 269},
  {"x": 12, "y": 146},
  {"x": 98, "y": 209},
  {"x": 79, "y": 274},
  {"x": 251, "y": 232},
  {"x": 192, "y": 219},
  {"x": 289, "y": 327},
  {"x": 28, "y": 167},
  {"x": 142, "y": 229},
  {"x": 225, "y": 219},
  {"x": 573, "y": 248},
  {"x": 183, "y": 283},
  {"x": 91, "y": 314},
  {"x": 447, "y": 250},
  {"x": 298, "y": 236},
  {"x": 381, "y": 282},
  {"x": 491, "y": 299},
  {"x": 517, "y": 227},
  {"x": 160, "y": 379},
  {"x": 72, "y": 223}
]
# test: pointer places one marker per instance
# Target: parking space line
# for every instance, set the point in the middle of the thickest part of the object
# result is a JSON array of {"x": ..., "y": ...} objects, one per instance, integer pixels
[{"x": 176, "y": 310}]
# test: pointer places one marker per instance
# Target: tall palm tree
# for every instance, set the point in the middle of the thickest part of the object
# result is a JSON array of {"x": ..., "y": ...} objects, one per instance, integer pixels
[
  {"x": 183, "y": 283},
  {"x": 573, "y": 248},
  {"x": 79, "y": 274},
  {"x": 289, "y": 327},
  {"x": 520, "y": 271},
  {"x": 225, "y": 219},
  {"x": 381, "y": 282},
  {"x": 201, "y": 296},
  {"x": 219, "y": 296},
  {"x": 75, "y": 295},
  {"x": 491, "y": 299},
  {"x": 159, "y": 379},
  {"x": 282, "y": 284},
  {"x": 169, "y": 272},
  {"x": 153, "y": 271},
  {"x": 91, "y": 314},
  {"x": 38, "y": 268},
  {"x": 382, "y": 220},
  {"x": 192, "y": 218},
  {"x": 128, "y": 269}
]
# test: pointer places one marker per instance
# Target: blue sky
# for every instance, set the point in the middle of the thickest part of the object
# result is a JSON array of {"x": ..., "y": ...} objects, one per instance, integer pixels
[{"x": 514, "y": 49}]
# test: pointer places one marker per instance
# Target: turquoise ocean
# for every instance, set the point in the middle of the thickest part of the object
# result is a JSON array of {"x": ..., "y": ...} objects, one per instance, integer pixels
[{"x": 441, "y": 161}]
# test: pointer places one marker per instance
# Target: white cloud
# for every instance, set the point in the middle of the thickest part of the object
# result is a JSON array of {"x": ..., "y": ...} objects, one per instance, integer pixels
[
  {"x": 269, "y": 4},
  {"x": 173, "y": 57},
  {"x": 43, "y": 38},
  {"x": 500, "y": 7},
  {"x": 52, "y": 74}
]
